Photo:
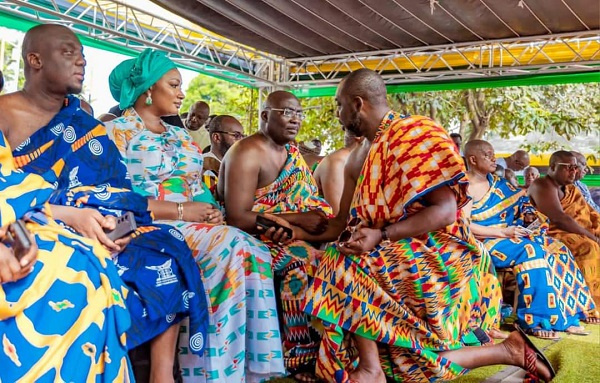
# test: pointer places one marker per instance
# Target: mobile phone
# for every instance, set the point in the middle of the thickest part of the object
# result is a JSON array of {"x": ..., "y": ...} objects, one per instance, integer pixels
[
  {"x": 535, "y": 224},
  {"x": 125, "y": 226},
  {"x": 17, "y": 236},
  {"x": 266, "y": 223},
  {"x": 528, "y": 231}
]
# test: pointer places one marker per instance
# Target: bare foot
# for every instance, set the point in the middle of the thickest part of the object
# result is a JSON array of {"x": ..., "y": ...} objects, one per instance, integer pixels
[
  {"x": 542, "y": 334},
  {"x": 495, "y": 333},
  {"x": 592, "y": 320},
  {"x": 515, "y": 345},
  {"x": 364, "y": 375}
]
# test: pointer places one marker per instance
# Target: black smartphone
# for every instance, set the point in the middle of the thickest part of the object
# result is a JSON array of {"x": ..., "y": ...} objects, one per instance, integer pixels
[
  {"x": 125, "y": 226},
  {"x": 17, "y": 236},
  {"x": 267, "y": 223}
]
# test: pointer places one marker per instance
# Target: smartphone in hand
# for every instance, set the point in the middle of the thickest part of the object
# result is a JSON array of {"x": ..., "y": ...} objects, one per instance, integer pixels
[
  {"x": 266, "y": 223},
  {"x": 125, "y": 226},
  {"x": 17, "y": 236}
]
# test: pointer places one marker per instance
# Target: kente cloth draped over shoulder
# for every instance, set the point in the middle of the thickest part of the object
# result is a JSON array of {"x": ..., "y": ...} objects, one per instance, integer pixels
[
  {"x": 552, "y": 290},
  {"x": 74, "y": 154},
  {"x": 585, "y": 251},
  {"x": 66, "y": 320},
  {"x": 294, "y": 190},
  {"x": 415, "y": 296},
  {"x": 243, "y": 340}
]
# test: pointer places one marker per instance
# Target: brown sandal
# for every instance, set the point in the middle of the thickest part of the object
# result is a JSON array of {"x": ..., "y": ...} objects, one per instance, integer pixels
[{"x": 532, "y": 355}]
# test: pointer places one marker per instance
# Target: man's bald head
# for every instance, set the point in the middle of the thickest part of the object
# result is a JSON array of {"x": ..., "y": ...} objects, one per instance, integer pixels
[
  {"x": 560, "y": 156},
  {"x": 197, "y": 115},
  {"x": 36, "y": 39},
  {"x": 54, "y": 61},
  {"x": 365, "y": 84},
  {"x": 277, "y": 98},
  {"x": 475, "y": 147},
  {"x": 281, "y": 117},
  {"x": 580, "y": 158},
  {"x": 519, "y": 160}
]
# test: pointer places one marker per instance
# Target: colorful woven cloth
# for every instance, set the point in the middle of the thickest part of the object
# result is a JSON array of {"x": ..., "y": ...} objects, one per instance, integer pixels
[
  {"x": 552, "y": 291},
  {"x": 586, "y": 251},
  {"x": 243, "y": 342},
  {"x": 74, "y": 153},
  {"x": 66, "y": 320},
  {"x": 416, "y": 296},
  {"x": 294, "y": 190}
]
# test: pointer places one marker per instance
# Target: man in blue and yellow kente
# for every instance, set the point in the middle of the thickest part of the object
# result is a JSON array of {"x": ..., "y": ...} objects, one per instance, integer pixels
[
  {"x": 53, "y": 137},
  {"x": 553, "y": 294}
]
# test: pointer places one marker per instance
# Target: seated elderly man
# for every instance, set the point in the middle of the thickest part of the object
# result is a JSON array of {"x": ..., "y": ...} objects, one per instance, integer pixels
[
  {"x": 405, "y": 281},
  {"x": 263, "y": 173},
  {"x": 53, "y": 137},
  {"x": 572, "y": 219},
  {"x": 581, "y": 172},
  {"x": 553, "y": 295},
  {"x": 530, "y": 174},
  {"x": 62, "y": 311},
  {"x": 517, "y": 162}
]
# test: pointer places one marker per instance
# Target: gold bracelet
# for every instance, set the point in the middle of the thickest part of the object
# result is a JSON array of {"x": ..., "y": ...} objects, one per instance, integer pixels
[{"x": 179, "y": 211}]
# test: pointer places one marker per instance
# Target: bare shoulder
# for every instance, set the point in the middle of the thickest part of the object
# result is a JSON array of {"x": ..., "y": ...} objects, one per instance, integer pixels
[
  {"x": 541, "y": 186},
  {"x": 11, "y": 105},
  {"x": 247, "y": 149},
  {"x": 356, "y": 159}
]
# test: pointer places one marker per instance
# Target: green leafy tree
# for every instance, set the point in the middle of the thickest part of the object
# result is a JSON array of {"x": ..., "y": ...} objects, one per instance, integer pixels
[
  {"x": 224, "y": 98},
  {"x": 7, "y": 62},
  {"x": 560, "y": 110}
]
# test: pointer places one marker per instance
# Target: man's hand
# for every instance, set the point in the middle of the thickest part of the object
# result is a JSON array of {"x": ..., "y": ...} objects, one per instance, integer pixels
[
  {"x": 314, "y": 222},
  {"x": 514, "y": 232},
  {"x": 363, "y": 240},
  {"x": 91, "y": 224},
  {"x": 10, "y": 268},
  {"x": 201, "y": 212}
]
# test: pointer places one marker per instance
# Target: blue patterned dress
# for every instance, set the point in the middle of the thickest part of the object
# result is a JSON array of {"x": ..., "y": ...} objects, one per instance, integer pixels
[
  {"x": 553, "y": 294},
  {"x": 66, "y": 320}
]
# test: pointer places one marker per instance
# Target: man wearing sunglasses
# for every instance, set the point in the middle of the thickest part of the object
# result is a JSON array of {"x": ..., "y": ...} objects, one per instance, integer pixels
[
  {"x": 224, "y": 131},
  {"x": 265, "y": 174},
  {"x": 572, "y": 220}
]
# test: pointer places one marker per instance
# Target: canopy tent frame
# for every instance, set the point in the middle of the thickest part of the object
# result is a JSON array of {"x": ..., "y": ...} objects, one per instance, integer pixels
[
  {"x": 130, "y": 29},
  {"x": 114, "y": 25}
]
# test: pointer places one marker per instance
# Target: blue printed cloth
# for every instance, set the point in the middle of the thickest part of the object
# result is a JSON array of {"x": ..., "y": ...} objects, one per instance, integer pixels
[{"x": 74, "y": 154}]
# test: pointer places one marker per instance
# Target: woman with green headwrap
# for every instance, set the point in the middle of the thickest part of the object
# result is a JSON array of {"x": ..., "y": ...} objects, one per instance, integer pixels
[{"x": 165, "y": 166}]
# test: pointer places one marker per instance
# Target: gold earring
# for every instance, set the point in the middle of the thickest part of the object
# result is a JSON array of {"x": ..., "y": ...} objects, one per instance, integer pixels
[{"x": 149, "y": 100}]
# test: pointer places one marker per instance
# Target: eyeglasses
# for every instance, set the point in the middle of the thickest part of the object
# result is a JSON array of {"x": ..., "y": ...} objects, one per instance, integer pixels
[
  {"x": 569, "y": 167},
  {"x": 350, "y": 229},
  {"x": 289, "y": 113},
  {"x": 489, "y": 156},
  {"x": 236, "y": 135}
]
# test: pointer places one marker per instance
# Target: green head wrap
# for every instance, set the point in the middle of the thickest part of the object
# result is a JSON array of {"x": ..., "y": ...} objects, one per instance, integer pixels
[{"x": 133, "y": 77}]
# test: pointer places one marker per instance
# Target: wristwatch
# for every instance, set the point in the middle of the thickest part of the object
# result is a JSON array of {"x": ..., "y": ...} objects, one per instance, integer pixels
[{"x": 385, "y": 237}]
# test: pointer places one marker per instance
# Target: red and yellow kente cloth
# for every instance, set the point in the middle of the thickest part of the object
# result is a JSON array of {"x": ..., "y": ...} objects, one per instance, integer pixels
[
  {"x": 418, "y": 295},
  {"x": 294, "y": 190},
  {"x": 585, "y": 251}
]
